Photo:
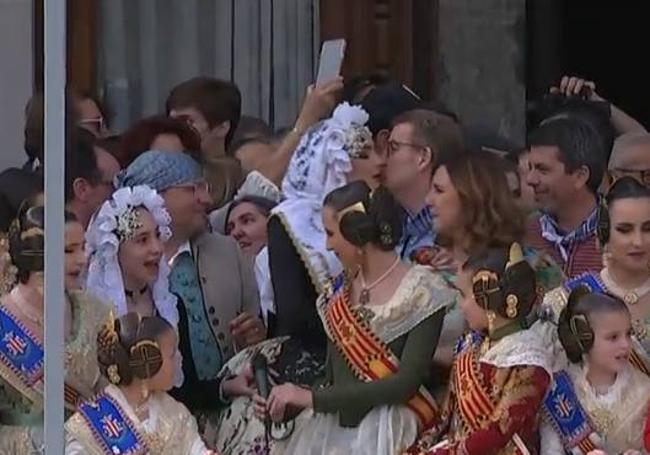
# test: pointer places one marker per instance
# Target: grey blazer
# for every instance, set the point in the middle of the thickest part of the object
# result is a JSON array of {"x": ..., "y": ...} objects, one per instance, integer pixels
[{"x": 227, "y": 282}]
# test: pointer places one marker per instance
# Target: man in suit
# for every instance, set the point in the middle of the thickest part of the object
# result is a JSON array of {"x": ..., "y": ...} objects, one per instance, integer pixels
[{"x": 215, "y": 284}]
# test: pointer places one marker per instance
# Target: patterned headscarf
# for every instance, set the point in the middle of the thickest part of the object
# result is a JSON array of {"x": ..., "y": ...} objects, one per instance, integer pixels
[{"x": 159, "y": 171}]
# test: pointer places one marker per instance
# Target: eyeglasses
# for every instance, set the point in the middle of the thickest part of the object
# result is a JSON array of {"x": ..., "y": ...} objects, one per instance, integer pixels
[
  {"x": 641, "y": 176},
  {"x": 394, "y": 145},
  {"x": 200, "y": 186}
]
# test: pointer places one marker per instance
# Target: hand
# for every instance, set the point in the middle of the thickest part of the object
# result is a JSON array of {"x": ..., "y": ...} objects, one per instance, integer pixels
[
  {"x": 241, "y": 385},
  {"x": 436, "y": 257},
  {"x": 280, "y": 398},
  {"x": 572, "y": 86},
  {"x": 319, "y": 103},
  {"x": 247, "y": 329}
]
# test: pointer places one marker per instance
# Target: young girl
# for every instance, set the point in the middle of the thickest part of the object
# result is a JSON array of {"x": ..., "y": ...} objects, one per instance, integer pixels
[
  {"x": 599, "y": 402},
  {"x": 501, "y": 369},
  {"x": 383, "y": 320},
  {"x": 21, "y": 332},
  {"x": 134, "y": 414}
]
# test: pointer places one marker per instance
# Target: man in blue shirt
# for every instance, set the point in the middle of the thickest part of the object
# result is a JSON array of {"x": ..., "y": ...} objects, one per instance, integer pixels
[{"x": 419, "y": 139}]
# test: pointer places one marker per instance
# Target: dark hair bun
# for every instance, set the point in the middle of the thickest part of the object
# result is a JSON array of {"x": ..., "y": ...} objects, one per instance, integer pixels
[
  {"x": 27, "y": 237},
  {"x": 367, "y": 217},
  {"x": 131, "y": 350},
  {"x": 510, "y": 290},
  {"x": 573, "y": 327}
]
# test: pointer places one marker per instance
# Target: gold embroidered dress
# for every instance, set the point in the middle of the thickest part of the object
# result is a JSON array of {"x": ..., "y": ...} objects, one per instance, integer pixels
[
  {"x": 618, "y": 416},
  {"x": 169, "y": 428}
]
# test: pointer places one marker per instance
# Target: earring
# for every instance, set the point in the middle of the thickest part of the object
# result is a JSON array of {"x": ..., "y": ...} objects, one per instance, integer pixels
[
  {"x": 491, "y": 317},
  {"x": 511, "y": 306},
  {"x": 145, "y": 391}
]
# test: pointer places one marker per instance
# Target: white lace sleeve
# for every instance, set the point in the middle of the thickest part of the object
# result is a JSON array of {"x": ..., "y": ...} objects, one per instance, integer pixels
[
  {"x": 257, "y": 184},
  {"x": 263, "y": 278},
  {"x": 551, "y": 444},
  {"x": 74, "y": 447}
]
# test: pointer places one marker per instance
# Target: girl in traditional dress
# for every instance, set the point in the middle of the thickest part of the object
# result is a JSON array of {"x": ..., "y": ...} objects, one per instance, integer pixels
[
  {"x": 127, "y": 269},
  {"x": 501, "y": 369},
  {"x": 599, "y": 401},
  {"x": 383, "y": 320},
  {"x": 125, "y": 243},
  {"x": 624, "y": 234},
  {"x": 21, "y": 332},
  {"x": 134, "y": 414},
  {"x": 335, "y": 151},
  {"x": 474, "y": 209}
]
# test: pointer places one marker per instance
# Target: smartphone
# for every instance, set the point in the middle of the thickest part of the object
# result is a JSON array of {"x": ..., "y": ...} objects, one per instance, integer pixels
[{"x": 331, "y": 60}]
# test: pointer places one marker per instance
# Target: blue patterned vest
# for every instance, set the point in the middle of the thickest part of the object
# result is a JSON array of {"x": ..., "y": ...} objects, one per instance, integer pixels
[{"x": 184, "y": 282}]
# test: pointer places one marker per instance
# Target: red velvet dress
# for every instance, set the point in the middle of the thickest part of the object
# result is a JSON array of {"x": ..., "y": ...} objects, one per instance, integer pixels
[{"x": 490, "y": 409}]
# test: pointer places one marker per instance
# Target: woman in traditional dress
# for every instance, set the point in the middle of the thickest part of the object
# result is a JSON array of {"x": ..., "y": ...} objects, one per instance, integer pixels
[
  {"x": 474, "y": 209},
  {"x": 134, "y": 414},
  {"x": 330, "y": 154},
  {"x": 21, "y": 332},
  {"x": 599, "y": 402},
  {"x": 624, "y": 234},
  {"x": 383, "y": 319},
  {"x": 501, "y": 369}
]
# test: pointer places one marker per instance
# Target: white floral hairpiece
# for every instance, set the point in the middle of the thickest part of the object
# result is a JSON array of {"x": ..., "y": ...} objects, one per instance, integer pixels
[
  {"x": 349, "y": 122},
  {"x": 117, "y": 220}
]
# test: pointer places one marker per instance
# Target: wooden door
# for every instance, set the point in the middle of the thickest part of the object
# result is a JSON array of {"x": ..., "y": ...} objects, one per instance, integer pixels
[{"x": 395, "y": 36}]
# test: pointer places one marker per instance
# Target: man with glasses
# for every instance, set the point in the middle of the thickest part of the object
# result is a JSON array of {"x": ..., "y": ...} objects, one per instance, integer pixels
[
  {"x": 215, "y": 285},
  {"x": 631, "y": 157},
  {"x": 418, "y": 140},
  {"x": 89, "y": 173}
]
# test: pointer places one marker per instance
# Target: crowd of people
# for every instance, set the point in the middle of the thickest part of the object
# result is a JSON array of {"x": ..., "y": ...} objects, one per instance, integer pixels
[{"x": 377, "y": 278}]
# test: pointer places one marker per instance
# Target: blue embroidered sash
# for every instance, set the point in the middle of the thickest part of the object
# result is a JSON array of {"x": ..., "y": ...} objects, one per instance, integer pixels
[
  {"x": 112, "y": 429},
  {"x": 590, "y": 280},
  {"x": 21, "y": 355},
  {"x": 565, "y": 413},
  {"x": 470, "y": 340}
]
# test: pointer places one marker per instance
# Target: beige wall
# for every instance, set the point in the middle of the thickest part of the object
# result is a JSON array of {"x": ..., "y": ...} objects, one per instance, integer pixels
[{"x": 15, "y": 77}]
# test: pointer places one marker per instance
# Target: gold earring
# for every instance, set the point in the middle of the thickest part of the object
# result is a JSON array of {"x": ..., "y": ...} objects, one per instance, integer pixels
[
  {"x": 491, "y": 317},
  {"x": 511, "y": 306},
  {"x": 145, "y": 390}
]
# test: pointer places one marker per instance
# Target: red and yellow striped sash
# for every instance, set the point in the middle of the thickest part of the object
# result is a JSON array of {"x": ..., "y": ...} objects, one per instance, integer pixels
[
  {"x": 475, "y": 405},
  {"x": 368, "y": 357},
  {"x": 638, "y": 363}
]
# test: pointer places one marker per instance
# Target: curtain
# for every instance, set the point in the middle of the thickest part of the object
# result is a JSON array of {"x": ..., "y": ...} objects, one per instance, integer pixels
[{"x": 269, "y": 48}]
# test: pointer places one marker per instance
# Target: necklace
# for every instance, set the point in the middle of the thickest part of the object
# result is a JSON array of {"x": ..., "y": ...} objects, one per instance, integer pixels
[
  {"x": 364, "y": 297},
  {"x": 136, "y": 293},
  {"x": 629, "y": 296},
  {"x": 21, "y": 304}
]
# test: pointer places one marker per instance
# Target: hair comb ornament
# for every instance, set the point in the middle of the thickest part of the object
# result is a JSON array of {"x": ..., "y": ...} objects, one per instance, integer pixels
[
  {"x": 357, "y": 207},
  {"x": 516, "y": 255},
  {"x": 128, "y": 223},
  {"x": 113, "y": 375},
  {"x": 484, "y": 283}
]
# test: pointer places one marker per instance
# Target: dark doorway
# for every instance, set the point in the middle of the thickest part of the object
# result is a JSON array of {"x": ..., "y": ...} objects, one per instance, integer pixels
[{"x": 594, "y": 40}]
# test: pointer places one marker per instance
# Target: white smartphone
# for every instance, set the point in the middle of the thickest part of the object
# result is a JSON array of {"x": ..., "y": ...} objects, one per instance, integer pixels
[{"x": 331, "y": 60}]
